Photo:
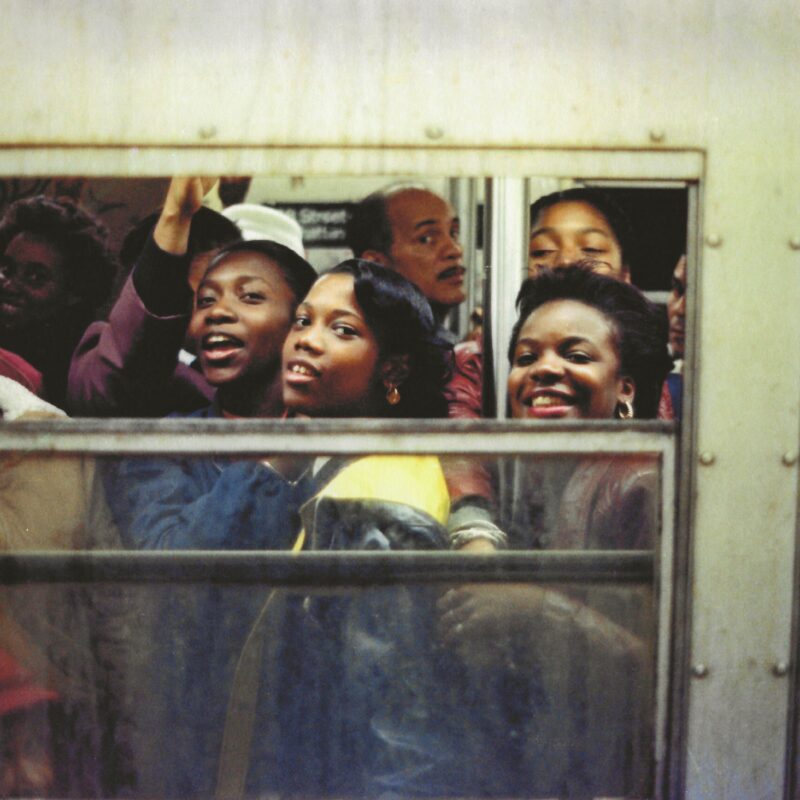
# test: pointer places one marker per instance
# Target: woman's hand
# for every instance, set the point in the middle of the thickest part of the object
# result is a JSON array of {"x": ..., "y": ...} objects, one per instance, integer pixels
[{"x": 481, "y": 622}]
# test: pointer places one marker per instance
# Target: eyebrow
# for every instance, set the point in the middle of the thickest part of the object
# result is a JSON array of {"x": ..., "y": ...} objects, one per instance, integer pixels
[
  {"x": 239, "y": 279},
  {"x": 424, "y": 222},
  {"x": 346, "y": 312},
  {"x": 568, "y": 342},
  {"x": 580, "y": 230},
  {"x": 336, "y": 312},
  {"x": 29, "y": 263}
]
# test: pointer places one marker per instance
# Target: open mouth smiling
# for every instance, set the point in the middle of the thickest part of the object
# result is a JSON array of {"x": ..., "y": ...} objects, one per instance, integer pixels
[
  {"x": 548, "y": 399},
  {"x": 298, "y": 372},
  {"x": 547, "y": 403},
  {"x": 220, "y": 346}
]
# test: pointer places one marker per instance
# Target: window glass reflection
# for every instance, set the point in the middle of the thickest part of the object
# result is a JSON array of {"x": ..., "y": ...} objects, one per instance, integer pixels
[{"x": 530, "y": 688}]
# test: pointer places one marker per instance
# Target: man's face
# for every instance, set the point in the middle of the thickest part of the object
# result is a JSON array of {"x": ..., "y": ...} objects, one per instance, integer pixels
[
  {"x": 425, "y": 247},
  {"x": 676, "y": 309}
]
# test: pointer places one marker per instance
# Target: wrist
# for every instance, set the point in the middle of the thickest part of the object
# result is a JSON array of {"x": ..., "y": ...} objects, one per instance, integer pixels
[{"x": 171, "y": 233}]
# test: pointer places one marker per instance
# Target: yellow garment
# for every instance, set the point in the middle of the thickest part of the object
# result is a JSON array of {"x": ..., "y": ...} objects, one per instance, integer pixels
[{"x": 415, "y": 481}]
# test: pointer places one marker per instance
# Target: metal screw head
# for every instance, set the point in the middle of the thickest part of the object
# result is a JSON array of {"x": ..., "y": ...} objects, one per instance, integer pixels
[
  {"x": 713, "y": 240},
  {"x": 707, "y": 458},
  {"x": 207, "y": 132},
  {"x": 434, "y": 132},
  {"x": 780, "y": 669},
  {"x": 789, "y": 459},
  {"x": 699, "y": 670},
  {"x": 657, "y": 135},
  {"x": 794, "y": 242}
]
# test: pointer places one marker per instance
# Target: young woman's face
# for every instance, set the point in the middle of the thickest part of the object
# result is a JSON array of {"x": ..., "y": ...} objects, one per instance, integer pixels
[
  {"x": 330, "y": 358},
  {"x": 243, "y": 310},
  {"x": 566, "y": 365},
  {"x": 575, "y": 231},
  {"x": 32, "y": 282}
]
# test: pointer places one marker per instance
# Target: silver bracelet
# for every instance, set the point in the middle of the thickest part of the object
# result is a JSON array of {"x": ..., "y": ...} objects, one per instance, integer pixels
[{"x": 480, "y": 530}]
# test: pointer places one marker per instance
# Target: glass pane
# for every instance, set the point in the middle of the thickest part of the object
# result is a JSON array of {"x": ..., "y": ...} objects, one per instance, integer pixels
[
  {"x": 332, "y": 694},
  {"x": 536, "y": 681}
]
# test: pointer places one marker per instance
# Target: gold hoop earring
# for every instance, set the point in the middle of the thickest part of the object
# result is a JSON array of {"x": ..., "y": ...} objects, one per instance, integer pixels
[
  {"x": 625, "y": 410},
  {"x": 393, "y": 395}
]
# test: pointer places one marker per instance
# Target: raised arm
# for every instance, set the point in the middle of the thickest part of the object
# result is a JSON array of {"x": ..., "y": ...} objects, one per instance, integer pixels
[{"x": 128, "y": 366}]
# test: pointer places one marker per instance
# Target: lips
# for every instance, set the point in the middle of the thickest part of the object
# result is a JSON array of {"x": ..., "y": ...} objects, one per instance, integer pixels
[
  {"x": 9, "y": 300},
  {"x": 299, "y": 372},
  {"x": 219, "y": 347},
  {"x": 454, "y": 274},
  {"x": 546, "y": 403}
]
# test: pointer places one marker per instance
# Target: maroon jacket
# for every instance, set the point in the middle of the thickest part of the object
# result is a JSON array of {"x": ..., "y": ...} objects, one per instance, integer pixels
[{"x": 128, "y": 366}]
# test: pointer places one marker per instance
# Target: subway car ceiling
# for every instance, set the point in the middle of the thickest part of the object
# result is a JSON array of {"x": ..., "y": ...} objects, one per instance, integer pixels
[{"x": 693, "y": 103}]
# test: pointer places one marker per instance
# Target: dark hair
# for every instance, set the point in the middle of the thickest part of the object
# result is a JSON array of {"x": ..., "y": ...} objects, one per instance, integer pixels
[
  {"x": 402, "y": 322},
  {"x": 296, "y": 271},
  {"x": 641, "y": 331},
  {"x": 368, "y": 226},
  {"x": 80, "y": 238},
  {"x": 208, "y": 231},
  {"x": 617, "y": 219}
]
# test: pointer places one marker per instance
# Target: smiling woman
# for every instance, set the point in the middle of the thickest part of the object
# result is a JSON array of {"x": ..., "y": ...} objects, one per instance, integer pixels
[
  {"x": 55, "y": 273},
  {"x": 585, "y": 346},
  {"x": 365, "y": 343},
  {"x": 577, "y": 659}
]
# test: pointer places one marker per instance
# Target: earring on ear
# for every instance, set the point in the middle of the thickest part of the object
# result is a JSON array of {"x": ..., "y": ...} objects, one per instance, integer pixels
[
  {"x": 625, "y": 410},
  {"x": 393, "y": 395}
]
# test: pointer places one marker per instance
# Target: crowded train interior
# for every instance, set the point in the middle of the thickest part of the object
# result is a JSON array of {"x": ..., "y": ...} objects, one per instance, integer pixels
[{"x": 386, "y": 403}]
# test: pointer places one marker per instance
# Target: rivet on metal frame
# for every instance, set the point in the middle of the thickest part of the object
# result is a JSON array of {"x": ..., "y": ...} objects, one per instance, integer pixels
[
  {"x": 699, "y": 670},
  {"x": 789, "y": 459},
  {"x": 780, "y": 669},
  {"x": 707, "y": 458},
  {"x": 713, "y": 240}
]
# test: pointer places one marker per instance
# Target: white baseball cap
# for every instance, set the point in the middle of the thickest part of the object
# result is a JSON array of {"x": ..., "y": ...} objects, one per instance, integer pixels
[{"x": 262, "y": 222}]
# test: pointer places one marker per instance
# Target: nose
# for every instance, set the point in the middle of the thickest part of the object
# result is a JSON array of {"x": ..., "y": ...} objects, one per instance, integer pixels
[
  {"x": 218, "y": 312},
  {"x": 308, "y": 338},
  {"x": 567, "y": 254},
  {"x": 547, "y": 368},
  {"x": 453, "y": 248}
]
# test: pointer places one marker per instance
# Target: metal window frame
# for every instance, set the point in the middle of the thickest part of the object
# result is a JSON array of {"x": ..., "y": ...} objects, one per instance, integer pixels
[
  {"x": 256, "y": 437},
  {"x": 617, "y": 165},
  {"x": 253, "y": 438}
]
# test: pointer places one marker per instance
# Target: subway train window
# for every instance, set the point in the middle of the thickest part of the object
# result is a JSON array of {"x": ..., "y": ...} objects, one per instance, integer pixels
[
  {"x": 355, "y": 486},
  {"x": 305, "y": 627}
]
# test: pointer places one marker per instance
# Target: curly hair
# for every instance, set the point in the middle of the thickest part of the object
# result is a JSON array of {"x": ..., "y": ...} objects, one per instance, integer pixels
[
  {"x": 402, "y": 322},
  {"x": 617, "y": 219},
  {"x": 79, "y": 236},
  {"x": 640, "y": 329}
]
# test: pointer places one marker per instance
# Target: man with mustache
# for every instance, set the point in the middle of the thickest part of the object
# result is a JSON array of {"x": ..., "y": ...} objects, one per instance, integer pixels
[{"x": 414, "y": 232}]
